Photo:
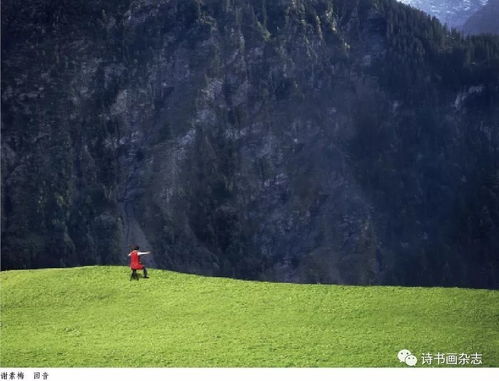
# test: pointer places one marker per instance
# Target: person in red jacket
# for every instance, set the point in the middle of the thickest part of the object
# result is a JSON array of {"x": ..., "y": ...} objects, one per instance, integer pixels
[{"x": 135, "y": 262}]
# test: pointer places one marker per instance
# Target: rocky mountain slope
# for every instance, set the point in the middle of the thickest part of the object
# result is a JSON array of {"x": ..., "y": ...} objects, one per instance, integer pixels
[
  {"x": 486, "y": 20},
  {"x": 453, "y": 13},
  {"x": 325, "y": 141}
]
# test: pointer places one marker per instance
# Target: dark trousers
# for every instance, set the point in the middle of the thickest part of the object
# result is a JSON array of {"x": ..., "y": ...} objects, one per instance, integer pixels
[{"x": 136, "y": 276}]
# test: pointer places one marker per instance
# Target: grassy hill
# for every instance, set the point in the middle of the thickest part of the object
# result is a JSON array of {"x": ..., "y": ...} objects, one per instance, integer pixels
[{"x": 96, "y": 317}]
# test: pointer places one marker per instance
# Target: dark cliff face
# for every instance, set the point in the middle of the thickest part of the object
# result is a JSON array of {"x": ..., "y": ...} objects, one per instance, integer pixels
[{"x": 306, "y": 141}]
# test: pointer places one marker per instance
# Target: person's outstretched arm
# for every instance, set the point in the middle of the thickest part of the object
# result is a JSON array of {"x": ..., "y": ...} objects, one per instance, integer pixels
[{"x": 143, "y": 252}]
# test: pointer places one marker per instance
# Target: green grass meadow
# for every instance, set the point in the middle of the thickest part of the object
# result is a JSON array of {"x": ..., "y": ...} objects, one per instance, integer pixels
[{"x": 96, "y": 317}]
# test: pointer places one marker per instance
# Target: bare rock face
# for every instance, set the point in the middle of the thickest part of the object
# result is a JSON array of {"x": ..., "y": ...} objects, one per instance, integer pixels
[{"x": 326, "y": 141}]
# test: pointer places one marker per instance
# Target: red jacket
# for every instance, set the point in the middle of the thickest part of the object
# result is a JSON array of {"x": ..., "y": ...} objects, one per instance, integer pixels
[{"x": 135, "y": 261}]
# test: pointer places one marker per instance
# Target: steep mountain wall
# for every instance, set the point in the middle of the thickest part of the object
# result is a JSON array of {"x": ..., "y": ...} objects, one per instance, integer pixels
[
  {"x": 453, "y": 13},
  {"x": 305, "y": 141},
  {"x": 486, "y": 20}
]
